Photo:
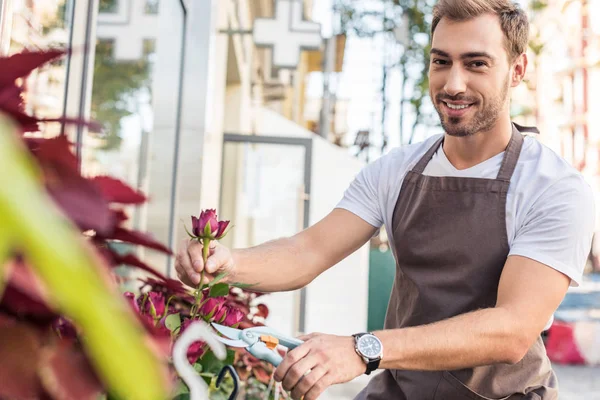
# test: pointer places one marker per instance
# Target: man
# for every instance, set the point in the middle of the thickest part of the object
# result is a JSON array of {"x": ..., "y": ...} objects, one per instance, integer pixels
[{"x": 488, "y": 228}]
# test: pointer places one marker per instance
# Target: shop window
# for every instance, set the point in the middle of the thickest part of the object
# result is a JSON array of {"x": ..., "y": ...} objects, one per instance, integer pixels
[
  {"x": 151, "y": 7},
  {"x": 38, "y": 24},
  {"x": 108, "y": 6}
]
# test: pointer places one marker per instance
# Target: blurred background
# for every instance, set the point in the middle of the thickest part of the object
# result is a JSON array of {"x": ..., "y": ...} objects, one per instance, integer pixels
[{"x": 267, "y": 109}]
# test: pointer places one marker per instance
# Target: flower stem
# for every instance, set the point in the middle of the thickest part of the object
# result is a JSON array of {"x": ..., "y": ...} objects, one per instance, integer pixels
[{"x": 205, "y": 250}]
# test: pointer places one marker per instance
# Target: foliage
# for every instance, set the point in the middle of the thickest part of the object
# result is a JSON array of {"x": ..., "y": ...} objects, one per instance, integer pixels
[
  {"x": 50, "y": 271},
  {"x": 381, "y": 17},
  {"x": 65, "y": 331}
]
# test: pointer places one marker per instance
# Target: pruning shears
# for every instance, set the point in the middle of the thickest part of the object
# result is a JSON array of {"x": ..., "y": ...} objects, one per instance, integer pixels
[{"x": 260, "y": 341}]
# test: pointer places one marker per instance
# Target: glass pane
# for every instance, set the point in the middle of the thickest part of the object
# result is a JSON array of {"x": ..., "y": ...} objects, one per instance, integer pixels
[
  {"x": 262, "y": 194},
  {"x": 43, "y": 24},
  {"x": 126, "y": 61}
]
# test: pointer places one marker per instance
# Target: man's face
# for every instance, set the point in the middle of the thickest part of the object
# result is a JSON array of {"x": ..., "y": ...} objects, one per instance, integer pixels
[{"x": 469, "y": 74}]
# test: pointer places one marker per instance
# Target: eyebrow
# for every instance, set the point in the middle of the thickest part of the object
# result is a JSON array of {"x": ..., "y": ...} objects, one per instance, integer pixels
[{"x": 471, "y": 54}]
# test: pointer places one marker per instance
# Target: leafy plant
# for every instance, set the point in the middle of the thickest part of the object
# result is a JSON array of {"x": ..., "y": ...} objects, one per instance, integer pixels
[{"x": 65, "y": 331}]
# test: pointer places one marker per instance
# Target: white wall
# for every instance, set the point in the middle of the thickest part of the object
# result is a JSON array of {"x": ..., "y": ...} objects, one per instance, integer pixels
[{"x": 337, "y": 300}]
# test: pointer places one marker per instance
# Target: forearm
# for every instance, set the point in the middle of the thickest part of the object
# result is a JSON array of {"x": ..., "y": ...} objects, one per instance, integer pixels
[
  {"x": 275, "y": 266},
  {"x": 481, "y": 337}
]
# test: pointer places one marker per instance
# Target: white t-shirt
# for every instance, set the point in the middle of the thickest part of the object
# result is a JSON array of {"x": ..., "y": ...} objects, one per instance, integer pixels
[{"x": 550, "y": 214}]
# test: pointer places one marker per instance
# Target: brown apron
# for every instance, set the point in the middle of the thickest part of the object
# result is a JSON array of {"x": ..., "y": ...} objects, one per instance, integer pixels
[{"x": 450, "y": 246}]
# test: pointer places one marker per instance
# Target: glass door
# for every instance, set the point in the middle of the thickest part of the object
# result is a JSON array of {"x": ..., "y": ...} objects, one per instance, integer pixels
[{"x": 265, "y": 192}]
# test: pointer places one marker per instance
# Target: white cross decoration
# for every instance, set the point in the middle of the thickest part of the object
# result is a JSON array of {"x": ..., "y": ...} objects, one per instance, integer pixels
[{"x": 287, "y": 34}]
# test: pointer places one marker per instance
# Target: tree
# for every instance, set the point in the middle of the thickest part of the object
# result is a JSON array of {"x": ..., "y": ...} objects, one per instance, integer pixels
[
  {"x": 381, "y": 17},
  {"x": 115, "y": 85}
]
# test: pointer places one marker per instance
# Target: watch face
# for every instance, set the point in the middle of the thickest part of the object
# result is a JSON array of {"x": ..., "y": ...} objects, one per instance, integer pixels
[{"x": 369, "y": 346}]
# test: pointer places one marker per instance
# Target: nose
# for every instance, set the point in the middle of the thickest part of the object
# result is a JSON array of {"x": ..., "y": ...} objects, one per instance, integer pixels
[{"x": 456, "y": 83}]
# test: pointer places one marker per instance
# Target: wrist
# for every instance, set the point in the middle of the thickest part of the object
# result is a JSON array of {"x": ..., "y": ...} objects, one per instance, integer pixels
[{"x": 369, "y": 348}]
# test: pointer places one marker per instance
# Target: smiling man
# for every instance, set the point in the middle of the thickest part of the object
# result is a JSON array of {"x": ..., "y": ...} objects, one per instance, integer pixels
[{"x": 488, "y": 229}]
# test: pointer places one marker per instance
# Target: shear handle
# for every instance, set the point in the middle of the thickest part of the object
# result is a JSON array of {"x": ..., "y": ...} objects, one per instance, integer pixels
[
  {"x": 286, "y": 341},
  {"x": 261, "y": 351}
]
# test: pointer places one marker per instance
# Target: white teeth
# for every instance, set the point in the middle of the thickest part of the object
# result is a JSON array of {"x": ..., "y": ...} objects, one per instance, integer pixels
[{"x": 456, "y": 107}]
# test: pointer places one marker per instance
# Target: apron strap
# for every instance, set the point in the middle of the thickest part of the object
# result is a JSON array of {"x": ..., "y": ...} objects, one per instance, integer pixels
[
  {"x": 420, "y": 166},
  {"x": 513, "y": 150},
  {"x": 530, "y": 129},
  {"x": 509, "y": 162}
]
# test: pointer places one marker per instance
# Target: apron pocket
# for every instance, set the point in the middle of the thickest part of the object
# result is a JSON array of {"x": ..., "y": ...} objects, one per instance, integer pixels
[{"x": 452, "y": 388}]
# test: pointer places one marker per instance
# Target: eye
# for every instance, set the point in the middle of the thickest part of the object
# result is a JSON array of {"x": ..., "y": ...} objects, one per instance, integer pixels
[
  {"x": 438, "y": 61},
  {"x": 478, "y": 64}
]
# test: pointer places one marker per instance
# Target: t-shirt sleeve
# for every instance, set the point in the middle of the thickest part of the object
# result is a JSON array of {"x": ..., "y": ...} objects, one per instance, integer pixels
[
  {"x": 362, "y": 196},
  {"x": 557, "y": 230}
]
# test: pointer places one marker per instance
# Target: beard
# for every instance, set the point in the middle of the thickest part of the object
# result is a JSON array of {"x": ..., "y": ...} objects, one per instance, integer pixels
[{"x": 483, "y": 120}]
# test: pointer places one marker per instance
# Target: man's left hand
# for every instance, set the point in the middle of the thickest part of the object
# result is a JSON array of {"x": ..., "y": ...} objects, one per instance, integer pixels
[{"x": 322, "y": 361}]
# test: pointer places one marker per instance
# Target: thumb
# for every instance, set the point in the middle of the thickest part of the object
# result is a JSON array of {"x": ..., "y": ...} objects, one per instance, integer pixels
[{"x": 218, "y": 260}]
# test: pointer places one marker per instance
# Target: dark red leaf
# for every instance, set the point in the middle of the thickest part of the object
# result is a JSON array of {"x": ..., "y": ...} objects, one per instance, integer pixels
[
  {"x": 21, "y": 64},
  {"x": 131, "y": 260},
  {"x": 79, "y": 198},
  {"x": 19, "y": 351},
  {"x": 169, "y": 287},
  {"x": 67, "y": 375},
  {"x": 136, "y": 237},
  {"x": 116, "y": 191},
  {"x": 261, "y": 375},
  {"x": 28, "y": 123},
  {"x": 25, "y": 296},
  {"x": 263, "y": 311}
]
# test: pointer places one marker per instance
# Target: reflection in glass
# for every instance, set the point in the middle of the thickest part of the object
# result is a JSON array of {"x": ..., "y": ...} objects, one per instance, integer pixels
[
  {"x": 151, "y": 7},
  {"x": 108, "y": 6},
  {"x": 43, "y": 24},
  {"x": 136, "y": 81},
  {"x": 122, "y": 103},
  {"x": 263, "y": 194}
]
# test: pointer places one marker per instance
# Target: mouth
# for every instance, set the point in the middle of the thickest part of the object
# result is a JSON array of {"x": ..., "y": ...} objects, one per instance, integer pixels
[{"x": 456, "y": 109}]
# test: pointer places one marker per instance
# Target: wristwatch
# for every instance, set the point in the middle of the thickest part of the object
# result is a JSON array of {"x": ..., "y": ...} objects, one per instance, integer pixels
[{"x": 370, "y": 349}]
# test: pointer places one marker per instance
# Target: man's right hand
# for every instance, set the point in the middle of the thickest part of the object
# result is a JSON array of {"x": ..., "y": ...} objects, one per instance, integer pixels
[{"x": 189, "y": 264}]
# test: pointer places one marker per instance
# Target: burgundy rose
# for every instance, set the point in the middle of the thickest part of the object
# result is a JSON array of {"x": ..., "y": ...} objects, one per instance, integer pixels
[
  {"x": 212, "y": 307},
  {"x": 207, "y": 226},
  {"x": 233, "y": 316}
]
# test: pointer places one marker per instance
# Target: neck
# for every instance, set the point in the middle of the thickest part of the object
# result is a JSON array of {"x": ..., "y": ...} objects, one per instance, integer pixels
[{"x": 468, "y": 151}]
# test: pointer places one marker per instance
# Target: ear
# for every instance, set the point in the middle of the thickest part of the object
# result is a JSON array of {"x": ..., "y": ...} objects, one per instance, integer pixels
[{"x": 518, "y": 70}]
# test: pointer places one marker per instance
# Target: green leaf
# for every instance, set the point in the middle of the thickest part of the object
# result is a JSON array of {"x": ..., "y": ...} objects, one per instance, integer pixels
[
  {"x": 113, "y": 338},
  {"x": 220, "y": 289},
  {"x": 5, "y": 249},
  {"x": 173, "y": 321},
  {"x": 212, "y": 365},
  {"x": 207, "y": 231},
  {"x": 181, "y": 388},
  {"x": 188, "y": 232},
  {"x": 218, "y": 278}
]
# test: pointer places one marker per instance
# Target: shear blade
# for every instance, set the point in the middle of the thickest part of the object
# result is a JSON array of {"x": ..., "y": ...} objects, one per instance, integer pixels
[
  {"x": 232, "y": 343},
  {"x": 229, "y": 333}
]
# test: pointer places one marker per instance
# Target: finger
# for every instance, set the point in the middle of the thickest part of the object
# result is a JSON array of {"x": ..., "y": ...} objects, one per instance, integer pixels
[
  {"x": 218, "y": 260},
  {"x": 291, "y": 358},
  {"x": 194, "y": 252},
  {"x": 297, "y": 372},
  {"x": 319, "y": 387},
  {"x": 308, "y": 381},
  {"x": 185, "y": 264},
  {"x": 182, "y": 275}
]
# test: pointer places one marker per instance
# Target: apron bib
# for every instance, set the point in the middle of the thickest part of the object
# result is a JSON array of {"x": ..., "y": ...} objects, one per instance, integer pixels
[{"x": 450, "y": 245}]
